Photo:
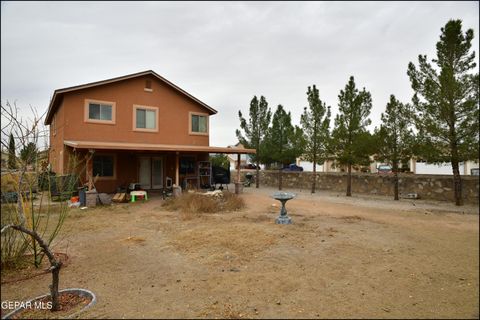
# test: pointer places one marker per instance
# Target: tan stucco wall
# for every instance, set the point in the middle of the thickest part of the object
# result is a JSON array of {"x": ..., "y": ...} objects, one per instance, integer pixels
[
  {"x": 56, "y": 154},
  {"x": 173, "y": 120}
]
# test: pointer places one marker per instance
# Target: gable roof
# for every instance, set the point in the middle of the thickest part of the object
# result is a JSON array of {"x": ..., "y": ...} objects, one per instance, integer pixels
[{"x": 58, "y": 94}]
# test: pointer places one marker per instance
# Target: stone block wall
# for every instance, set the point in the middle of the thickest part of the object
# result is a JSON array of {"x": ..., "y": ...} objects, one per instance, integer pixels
[{"x": 427, "y": 186}]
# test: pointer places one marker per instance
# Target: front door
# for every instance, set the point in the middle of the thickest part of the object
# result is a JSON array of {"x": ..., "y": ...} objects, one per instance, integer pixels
[{"x": 150, "y": 173}]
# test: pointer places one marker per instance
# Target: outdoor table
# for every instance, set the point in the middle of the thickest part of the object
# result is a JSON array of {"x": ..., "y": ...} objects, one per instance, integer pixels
[{"x": 134, "y": 194}]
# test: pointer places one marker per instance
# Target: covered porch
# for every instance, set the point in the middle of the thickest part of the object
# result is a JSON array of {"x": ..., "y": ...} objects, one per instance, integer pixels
[{"x": 107, "y": 166}]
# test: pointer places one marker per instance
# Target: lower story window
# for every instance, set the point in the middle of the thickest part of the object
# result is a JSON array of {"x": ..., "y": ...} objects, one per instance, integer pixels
[
  {"x": 187, "y": 165},
  {"x": 103, "y": 166}
]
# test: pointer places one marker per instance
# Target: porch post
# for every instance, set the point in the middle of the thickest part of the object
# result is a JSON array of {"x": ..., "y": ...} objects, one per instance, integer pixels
[
  {"x": 90, "y": 168},
  {"x": 238, "y": 168},
  {"x": 176, "y": 170},
  {"x": 238, "y": 185}
]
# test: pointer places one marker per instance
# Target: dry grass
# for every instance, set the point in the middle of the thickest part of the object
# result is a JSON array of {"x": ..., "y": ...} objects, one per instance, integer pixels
[
  {"x": 191, "y": 204},
  {"x": 9, "y": 181},
  {"x": 138, "y": 240},
  {"x": 226, "y": 244}
]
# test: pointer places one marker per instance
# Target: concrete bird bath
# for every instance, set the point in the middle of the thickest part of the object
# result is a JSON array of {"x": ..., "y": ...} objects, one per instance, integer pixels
[{"x": 283, "y": 197}]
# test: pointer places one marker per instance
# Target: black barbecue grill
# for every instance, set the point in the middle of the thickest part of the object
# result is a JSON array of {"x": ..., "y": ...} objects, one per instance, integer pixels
[{"x": 220, "y": 176}]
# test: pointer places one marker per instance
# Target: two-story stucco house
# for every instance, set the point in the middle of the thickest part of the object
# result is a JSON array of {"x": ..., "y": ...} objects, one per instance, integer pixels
[{"x": 135, "y": 128}]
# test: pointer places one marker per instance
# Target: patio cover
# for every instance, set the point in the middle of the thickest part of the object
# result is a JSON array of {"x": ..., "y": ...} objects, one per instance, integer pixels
[
  {"x": 153, "y": 147},
  {"x": 158, "y": 147}
]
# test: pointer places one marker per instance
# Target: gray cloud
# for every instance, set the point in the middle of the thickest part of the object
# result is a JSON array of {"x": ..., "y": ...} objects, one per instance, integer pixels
[{"x": 223, "y": 52}]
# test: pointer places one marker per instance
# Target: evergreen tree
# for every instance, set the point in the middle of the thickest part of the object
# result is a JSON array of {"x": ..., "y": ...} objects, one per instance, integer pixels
[
  {"x": 315, "y": 123},
  {"x": 12, "y": 158},
  {"x": 395, "y": 137},
  {"x": 351, "y": 142},
  {"x": 284, "y": 142},
  {"x": 255, "y": 130},
  {"x": 29, "y": 153},
  {"x": 446, "y": 102},
  {"x": 220, "y": 160}
]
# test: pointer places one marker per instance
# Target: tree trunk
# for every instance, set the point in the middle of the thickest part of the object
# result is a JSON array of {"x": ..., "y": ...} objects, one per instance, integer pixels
[
  {"x": 457, "y": 183},
  {"x": 280, "y": 178},
  {"x": 54, "y": 288},
  {"x": 314, "y": 175},
  {"x": 257, "y": 183},
  {"x": 55, "y": 265},
  {"x": 349, "y": 180},
  {"x": 395, "y": 180}
]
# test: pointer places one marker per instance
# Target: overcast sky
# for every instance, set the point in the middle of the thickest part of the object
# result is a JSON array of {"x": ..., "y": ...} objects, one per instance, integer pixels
[{"x": 224, "y": 53}]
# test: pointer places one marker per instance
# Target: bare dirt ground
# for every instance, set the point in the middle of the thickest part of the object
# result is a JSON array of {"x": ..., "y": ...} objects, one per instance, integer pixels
[{"x": 359, "y": 257}]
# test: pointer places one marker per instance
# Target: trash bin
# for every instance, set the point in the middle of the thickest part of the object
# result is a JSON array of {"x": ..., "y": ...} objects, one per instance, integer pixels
[{"x": 83, "y": 196}]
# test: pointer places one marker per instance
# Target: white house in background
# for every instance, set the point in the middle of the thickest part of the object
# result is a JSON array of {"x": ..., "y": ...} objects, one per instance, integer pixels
[
  {"x": 416, "y": 166},
  {"x": 233, "y": 158},
  {"x": 422, "y": 167},
  {"x": 327, "y": 166}
]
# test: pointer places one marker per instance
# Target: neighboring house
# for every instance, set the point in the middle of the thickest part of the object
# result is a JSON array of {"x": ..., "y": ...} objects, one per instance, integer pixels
[
  {"x": 327, "y": 166},
  {"x": 414, "y": 165},
  {"x": 422, "y": 167},
  {"x": 135, "y": 128},
  {"x": 234, "y": 158}
]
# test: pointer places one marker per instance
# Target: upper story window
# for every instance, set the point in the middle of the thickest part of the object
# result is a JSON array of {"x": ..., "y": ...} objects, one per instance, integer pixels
[
  {"x": 198, "y": 123},
  {"x": 99, "y": 111},
  {"x": 145, "y": 118}
]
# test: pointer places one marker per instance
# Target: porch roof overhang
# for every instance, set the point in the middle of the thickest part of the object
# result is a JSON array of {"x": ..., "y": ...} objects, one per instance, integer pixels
[{"x": 154, "y": 147}]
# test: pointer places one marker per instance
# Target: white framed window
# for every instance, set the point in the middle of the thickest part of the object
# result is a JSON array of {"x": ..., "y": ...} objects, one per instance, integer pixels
[
  {"x": 198, "y": 123},
  {"x": 97, "y": 111},
  {"x": 104, "y": 166},
  {"x": 145, "y": 118}
]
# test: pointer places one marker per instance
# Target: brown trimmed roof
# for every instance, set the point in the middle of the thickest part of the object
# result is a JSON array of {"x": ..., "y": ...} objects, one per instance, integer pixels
[
  {"x": 58, "y": 94},
  {"x": 152, "y": 147}
]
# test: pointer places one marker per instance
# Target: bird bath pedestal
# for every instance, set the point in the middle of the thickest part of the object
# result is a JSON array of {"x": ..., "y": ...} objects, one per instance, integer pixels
[{"x": 283, "y": 197}]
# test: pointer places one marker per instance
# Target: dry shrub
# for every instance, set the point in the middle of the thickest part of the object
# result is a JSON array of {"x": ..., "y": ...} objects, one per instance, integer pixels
[
  {"x": 194, "y": 203},
  {"x": 232, "y": 202},
  {"x": 9, "y": 182}
]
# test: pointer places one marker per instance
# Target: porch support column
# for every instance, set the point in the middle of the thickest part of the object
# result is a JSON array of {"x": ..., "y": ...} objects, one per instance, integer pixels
[
  {"x": 238, "y": 168},
  {"x": 177, "y": 178},
  {"x": 90, "y": 168},
  {"x": 238, "y": 185}
]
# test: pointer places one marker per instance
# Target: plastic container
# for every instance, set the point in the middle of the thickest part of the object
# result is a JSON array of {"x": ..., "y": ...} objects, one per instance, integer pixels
[{"x": 82, "y": 196}]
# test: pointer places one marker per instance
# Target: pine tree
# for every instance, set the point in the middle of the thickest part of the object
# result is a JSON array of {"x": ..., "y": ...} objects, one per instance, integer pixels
[
  {"x": 395, "y": 137},
  {"x": 29, "y": 153},
  {"x": 284, "y": 142},
  {"x": 446, "y": 102},
  {"x": 255, "y": 130},
  {"x": 350, "y": 138},
  {"x": 315, "y": 123},
  {"x": 12, "y": 158}
]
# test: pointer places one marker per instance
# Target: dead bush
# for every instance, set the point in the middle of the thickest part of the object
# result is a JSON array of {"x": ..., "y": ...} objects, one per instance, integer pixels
[
  {"x": 232, "y": 202},
  {"x": 194, "y": 203}
]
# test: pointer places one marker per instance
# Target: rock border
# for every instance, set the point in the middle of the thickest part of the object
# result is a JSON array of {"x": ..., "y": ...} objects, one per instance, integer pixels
[{"x": 81, "y": 292}]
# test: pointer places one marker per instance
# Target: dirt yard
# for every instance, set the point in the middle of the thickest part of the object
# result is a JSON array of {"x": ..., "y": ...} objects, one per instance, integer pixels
[{"x": 359, "y": 257}]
